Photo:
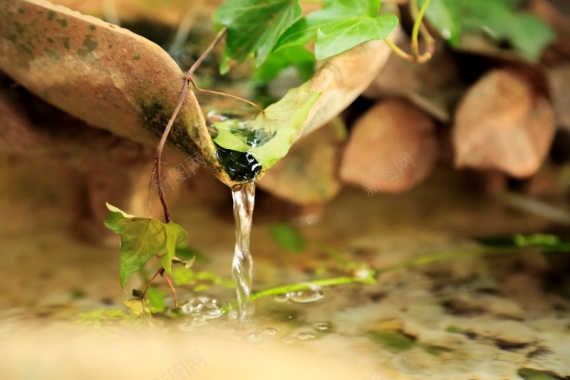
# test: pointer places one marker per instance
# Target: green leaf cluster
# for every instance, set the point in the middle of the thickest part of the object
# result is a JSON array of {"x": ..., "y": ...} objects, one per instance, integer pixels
[
  {"x": 498, "y": 19},
  {"x": 339, "y": 26},
  {"x": 274, "y": 32},
  {"x": 254, "y": 27},
  {"x": 143, "y": 238}
]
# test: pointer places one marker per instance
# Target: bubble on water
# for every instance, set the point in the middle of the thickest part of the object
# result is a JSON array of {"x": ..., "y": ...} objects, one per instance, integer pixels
[
  {"x": 306, "y": 295},
  {"x": 199, "y": 320},
  {"x": 186, "y": 326},
  {"x": 288, "y": 340},
  {"x": 204, "y": 307},
  {"x": 195, "y": 305},
  {"x": 271, "y": 331},
  {"x": 255, "y": 336},
  {"x": 282, "y": 297},
  {"x": 322, "y": 326},
  {"x": 306, "y": 335},
  {"x": 211, "y": 310}
]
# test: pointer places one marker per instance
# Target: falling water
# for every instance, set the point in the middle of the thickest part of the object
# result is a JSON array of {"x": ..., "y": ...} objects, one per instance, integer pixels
[{"x": 242, "y": 264}]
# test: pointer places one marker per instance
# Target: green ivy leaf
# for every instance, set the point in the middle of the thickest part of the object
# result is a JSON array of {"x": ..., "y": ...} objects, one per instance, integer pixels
[
  {"x": 141, "y": 239},
  {"x": 288, "y": 237},
  {"x": 339, "y": 26},
  {"x": 254, "y": 27},
  {"x": 136, "y": 305},
  {"x": 269, "y": 136},
  {"x": 530, "y": 35},
  {"x": 297, "y": 56},
  {"x": 497, "y": 18},
  {"x": 445, "y": 16}
]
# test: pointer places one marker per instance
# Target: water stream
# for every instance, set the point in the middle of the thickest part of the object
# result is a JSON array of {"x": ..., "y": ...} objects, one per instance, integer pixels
[{"x": 242, "y": 264}]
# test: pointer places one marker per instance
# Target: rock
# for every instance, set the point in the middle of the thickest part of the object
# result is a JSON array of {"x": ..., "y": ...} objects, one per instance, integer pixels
[
  {"x": 392, "y": 148},
  {"x": 503, "y": 123}
]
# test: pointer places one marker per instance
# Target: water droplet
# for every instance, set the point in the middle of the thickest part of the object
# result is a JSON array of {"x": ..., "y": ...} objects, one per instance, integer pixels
[
  {"x": 306, "y": 335},
  {"x": 282, "y": 297},
  {"x": 212, "y": 310},
  {"x": 306, "y": 295},
  {"x": 255, "y": 336},
  {"x": 271, "y": 331},
  {"x": 322, "y": 326},
  {"x": 445, "y": 33}
]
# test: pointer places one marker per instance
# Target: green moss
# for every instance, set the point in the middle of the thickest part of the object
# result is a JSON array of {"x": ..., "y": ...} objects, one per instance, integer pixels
[
  {"x": 89, "y": 43},
  {"x": 26, "y": 49},
  {"x": 532, "y": 374},
  {"x": 51, "y": 15},
  {"x": 137, "y": 57},
  {"x": 50, "y": 40},
  {"x": 392, "y": 339},
  {"x": 155, "y": 117},
  {"x": 51, "y": 53},
  {"x": 92, "y": 28},
  {"x": 63, "y": 23},
  {"x": 20, "y": 29},
  {"x": 65, "y": 41},
  {"x": 436, "y": 351}
]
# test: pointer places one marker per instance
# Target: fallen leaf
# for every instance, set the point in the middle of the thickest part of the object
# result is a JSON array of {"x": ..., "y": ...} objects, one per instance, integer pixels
[
  {"x": 308, "y": 174},
  {"x": 269, "y": 136}
]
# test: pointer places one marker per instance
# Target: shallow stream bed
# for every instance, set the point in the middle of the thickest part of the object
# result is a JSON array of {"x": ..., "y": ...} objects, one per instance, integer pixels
[{"x": 497, "y": 317}]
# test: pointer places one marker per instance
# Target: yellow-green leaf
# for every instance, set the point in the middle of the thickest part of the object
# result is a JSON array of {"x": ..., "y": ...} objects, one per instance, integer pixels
[{"x": 141, "y": 239}]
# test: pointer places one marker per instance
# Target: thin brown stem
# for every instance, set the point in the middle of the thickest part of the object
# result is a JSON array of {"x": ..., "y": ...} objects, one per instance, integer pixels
[
  {"x": 143, "y": 295},
  {"x": 224, "y": 94},
  {"x": 206, "y": 52},
  {"x": 172, "y": 289},
  {"x": 159, "y": 149}
]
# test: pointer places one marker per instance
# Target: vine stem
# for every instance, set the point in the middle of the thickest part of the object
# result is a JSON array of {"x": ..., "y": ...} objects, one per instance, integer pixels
[
  {"x": 325, "y": 282},
  {"x": 158, "y": 154},
  {"x": 172, "y": 289},
  {"x": 145, "y": 291},
  {"x": 156, "y": 170},
  {"x": 160, "y": 271},
  {"x": 418, "y": 28},
  {"x": 224, "y": 94}
]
